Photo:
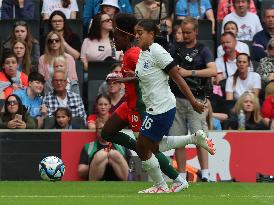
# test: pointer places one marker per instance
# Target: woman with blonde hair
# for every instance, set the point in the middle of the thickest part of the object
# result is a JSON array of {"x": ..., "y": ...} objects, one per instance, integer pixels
[
  {"x": 55, "y": 47},
  {"x": 248, "y": 102},
  {"x": 20, "y": 49}
]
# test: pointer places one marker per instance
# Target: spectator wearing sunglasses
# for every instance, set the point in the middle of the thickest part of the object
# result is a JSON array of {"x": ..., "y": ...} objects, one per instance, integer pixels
[
  {"x": 99, "y": 44},
  {"x": 55, "y": 47},
  {"x": 17, "y": 9},
  {"x": 15, "y": 115},
  {"x": 22, "y": 32},
  {"x": 266, "y": 66}
]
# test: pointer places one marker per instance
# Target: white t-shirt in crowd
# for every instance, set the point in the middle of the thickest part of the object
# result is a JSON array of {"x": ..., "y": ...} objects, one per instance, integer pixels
[
  {"x": 248, "y": 25},
  {"x": 50, "y": 6},
  {"x": 253, "y": 81},
  {"x": 230, "y": 65},
  {"x": 153, "y": 81},
  {"x": 241, "y": 47}
]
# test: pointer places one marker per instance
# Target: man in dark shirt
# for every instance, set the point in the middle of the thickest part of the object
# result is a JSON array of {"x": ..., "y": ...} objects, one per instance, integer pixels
[{"x": 261, "y": 39}]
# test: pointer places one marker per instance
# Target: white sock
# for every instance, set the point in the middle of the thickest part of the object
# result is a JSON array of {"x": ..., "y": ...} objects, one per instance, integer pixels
[
  {"x": 152, "y": 167},
  {"x": 172, "y": 142},
  {"x": 181, "y": 177},
  {"x": 205, "y": 173}
]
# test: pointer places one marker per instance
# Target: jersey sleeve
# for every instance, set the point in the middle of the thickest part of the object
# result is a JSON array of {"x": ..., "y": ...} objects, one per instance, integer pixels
[{"x": 162, "y": 57}]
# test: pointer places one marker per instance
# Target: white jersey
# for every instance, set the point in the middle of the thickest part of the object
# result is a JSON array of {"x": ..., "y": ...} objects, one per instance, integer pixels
[{"x": 153, "y": 80}]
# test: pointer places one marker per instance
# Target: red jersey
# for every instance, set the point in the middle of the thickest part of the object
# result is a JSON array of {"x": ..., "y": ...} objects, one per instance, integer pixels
[{"x": 129, "y": 64}]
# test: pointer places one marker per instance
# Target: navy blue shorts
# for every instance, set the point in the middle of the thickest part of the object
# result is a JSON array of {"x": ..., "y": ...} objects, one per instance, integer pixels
[{"x": 155, "y": 127}]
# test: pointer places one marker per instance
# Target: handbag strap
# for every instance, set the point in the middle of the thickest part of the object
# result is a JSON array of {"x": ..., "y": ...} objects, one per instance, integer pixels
[{"x": 225, "y": 69}]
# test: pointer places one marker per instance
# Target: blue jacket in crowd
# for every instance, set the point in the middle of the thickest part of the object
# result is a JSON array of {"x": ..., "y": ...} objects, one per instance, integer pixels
[
  {"x": 11, "y": 11},
  {"x": 260, "y": 41}
]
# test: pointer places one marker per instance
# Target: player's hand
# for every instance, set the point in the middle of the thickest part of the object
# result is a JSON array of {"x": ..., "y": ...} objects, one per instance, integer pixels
[
  {"x": 199, "y": 106},
  {"x": 129, "y": 73}
]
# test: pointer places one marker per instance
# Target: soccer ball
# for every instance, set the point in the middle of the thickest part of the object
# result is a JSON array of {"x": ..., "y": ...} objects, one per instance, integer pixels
[{"x": 51, "y": 168}]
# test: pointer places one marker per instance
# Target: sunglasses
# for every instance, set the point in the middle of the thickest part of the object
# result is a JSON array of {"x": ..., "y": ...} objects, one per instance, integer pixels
[
  {"x": 12, "y": 102},
  {"x": 271, "y": 47},
  {"x": 54, "y": 40},
  {"x": 20, "y": 23},
  {"x": 106, "y": 20}
]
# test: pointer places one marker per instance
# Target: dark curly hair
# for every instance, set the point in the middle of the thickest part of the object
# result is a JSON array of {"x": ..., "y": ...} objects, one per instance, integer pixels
[
  {"x": 21, "y": 109},
  {"x": 126, "y": 22}
]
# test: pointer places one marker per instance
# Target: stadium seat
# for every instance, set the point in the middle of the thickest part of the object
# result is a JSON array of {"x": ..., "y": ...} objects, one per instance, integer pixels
[
  {"x": 76, "y": 26},
  {"x": 93, "y": 87},
  {"x": 219, "y": 32},
  {"x": 80, "y": 75},
  {"x": 266, "y": 4},
  {"x": 210, "y": 44},
  {"x": 7, "y": 27},
  {"x": 98, "y": 70},
  {"x": 37, "y": 9},
  {"x": 80, "y": 4}
]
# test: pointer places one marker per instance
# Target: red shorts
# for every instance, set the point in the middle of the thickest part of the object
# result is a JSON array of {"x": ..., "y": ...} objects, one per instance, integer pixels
[{"x": 130, "y": 116}]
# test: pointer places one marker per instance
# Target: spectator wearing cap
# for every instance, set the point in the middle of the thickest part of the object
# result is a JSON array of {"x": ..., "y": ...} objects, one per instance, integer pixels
[
  {"x": 114, "y": 90},
  {"x": 92, "y": 7},
  {"x": 248, "y": 23},
  {"x": 31, "y": 97},
  {"x": 23, "y": 9},
  {"x": 261, "y": 39}
]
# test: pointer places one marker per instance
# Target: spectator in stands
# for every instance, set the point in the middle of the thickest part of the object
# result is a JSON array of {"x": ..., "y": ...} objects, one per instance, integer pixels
[
  {"x": 55, "y": 47},
  {"x": 31, "y": 97},
  {"x": 241, "y": 47},
  {"x": 20, "y": 49},
  {"x": 243, "y": 79},
  {"x": 17, "y": 9},
  {"x": 68, "y": 7},
  {"x": 226, "y": 7},
  {"x": 268, "y": 106},
  {"x": 177, "y": 33},
  {"x": 249, "y": 103},
  {"x": 60, "y": 97},
  {"x": 102, "y": 160},
  {"x": 15, "y": 115},
  {"x": 226, "y": 64},
  {"x": 248, "y": 23},
  {"x": 110, "y": 7},
  {"x": 266, "y": 66},
  {"x": 102, "y": 106},
  {"x": 199, "y": 9},
  {"x": 72, "y": 43},
  {"x": 114, "y": 90},
  {"x": 60, "y": 63},
  {"x": 99, "y": 44},
  {"x": 197, "y": 64},
  {"x": 22, "y": 32},
  {"x": 103, "y": 89},
  {"x": 63, "y": 118},
  {"x": 10, "y": 78},
  {"x": 149, "y": 9},
  {"x": 261, "y": 39}
]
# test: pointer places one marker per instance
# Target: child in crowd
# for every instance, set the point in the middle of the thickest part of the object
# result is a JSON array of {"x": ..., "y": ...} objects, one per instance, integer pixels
[{"x": 63, "y": 118}]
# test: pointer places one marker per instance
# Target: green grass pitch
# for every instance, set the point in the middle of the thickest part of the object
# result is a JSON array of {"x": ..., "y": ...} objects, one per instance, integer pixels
[{"x": 111, "y": 193}]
